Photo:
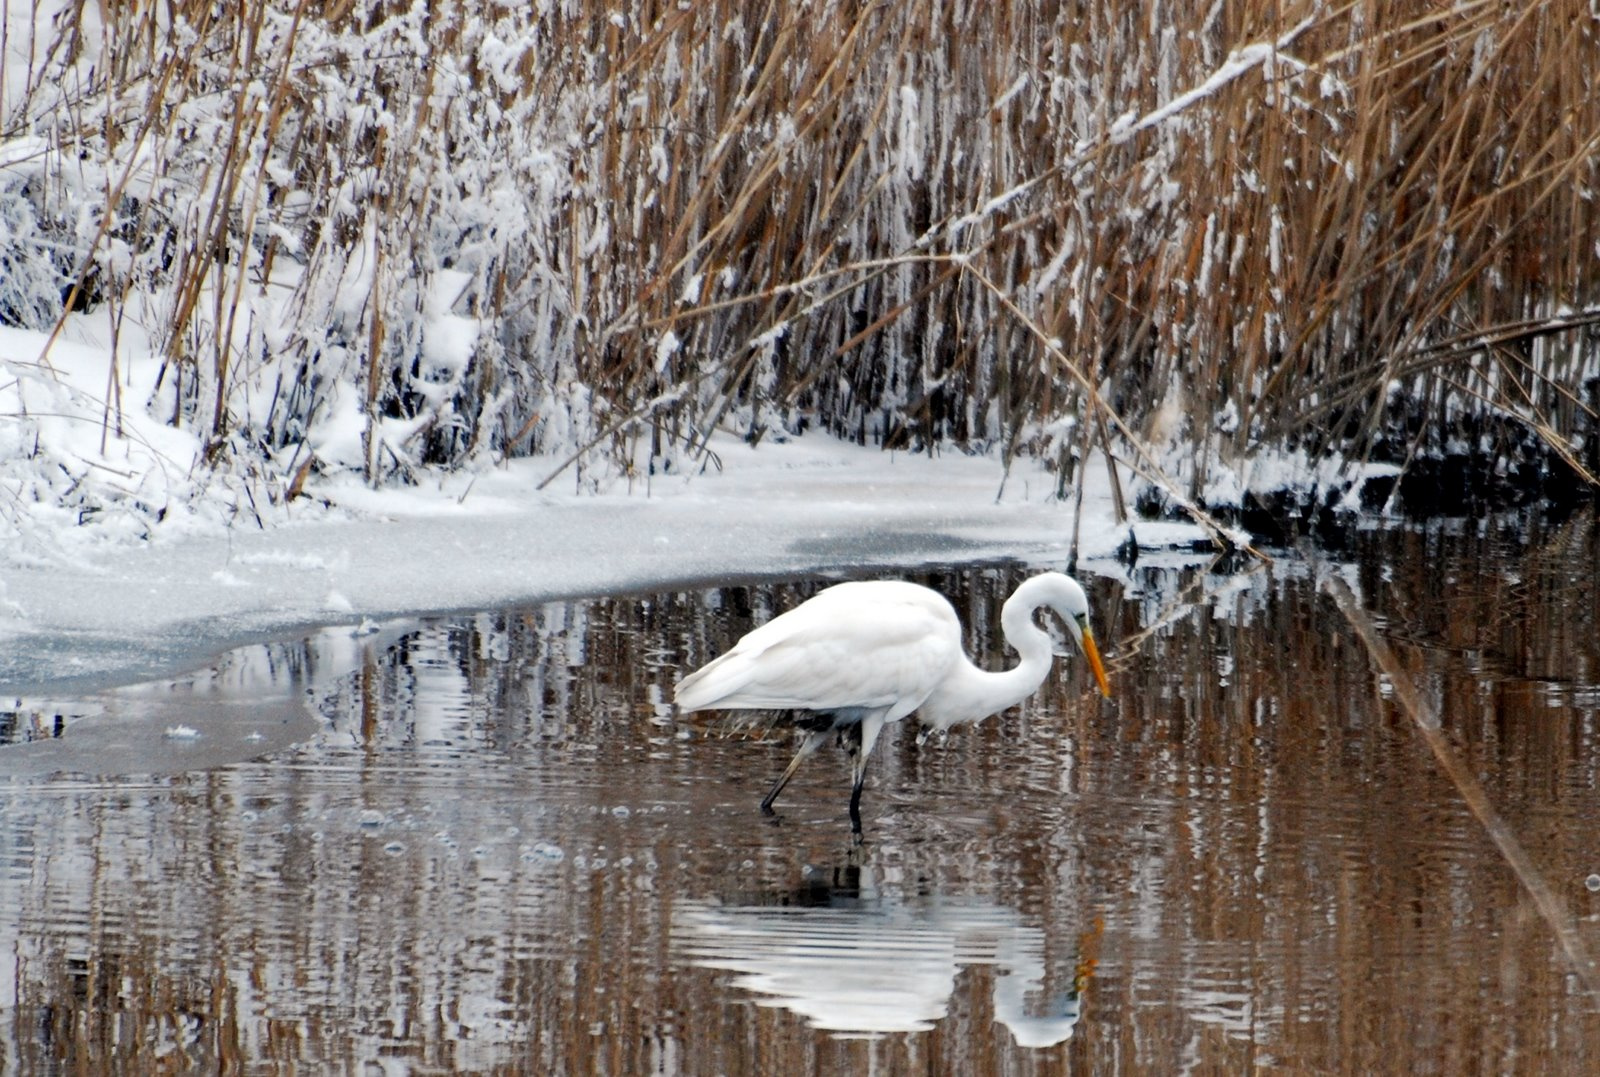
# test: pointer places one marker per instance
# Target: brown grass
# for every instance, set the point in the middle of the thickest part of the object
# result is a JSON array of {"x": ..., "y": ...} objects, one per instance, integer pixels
[{"x": 1340, "y": 227}]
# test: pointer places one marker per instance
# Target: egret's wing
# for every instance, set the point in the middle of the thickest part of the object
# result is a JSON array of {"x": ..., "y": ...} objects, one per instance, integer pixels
[{"x": 865, "y": 645}]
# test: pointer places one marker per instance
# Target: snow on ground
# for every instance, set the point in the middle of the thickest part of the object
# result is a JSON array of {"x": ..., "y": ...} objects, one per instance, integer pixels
[
  {"x": 123, "y": 598},
  {"x": 132, "y": 611}
]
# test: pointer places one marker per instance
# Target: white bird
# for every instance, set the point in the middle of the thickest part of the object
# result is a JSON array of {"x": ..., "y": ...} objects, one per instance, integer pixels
[{"x": 858, "y": 656}]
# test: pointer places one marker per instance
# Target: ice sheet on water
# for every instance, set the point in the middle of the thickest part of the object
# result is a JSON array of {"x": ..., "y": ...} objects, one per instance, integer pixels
[{"x": 118, "y": 611}]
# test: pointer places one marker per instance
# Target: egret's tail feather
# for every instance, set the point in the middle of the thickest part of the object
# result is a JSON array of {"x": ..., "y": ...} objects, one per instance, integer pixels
[
  {"x": 736, "y": 681},
  {"x": 715, "y": 686}
]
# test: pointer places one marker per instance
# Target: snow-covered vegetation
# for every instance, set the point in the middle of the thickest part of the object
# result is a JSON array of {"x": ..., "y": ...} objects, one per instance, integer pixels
[{"x": 1229, "y": 247}]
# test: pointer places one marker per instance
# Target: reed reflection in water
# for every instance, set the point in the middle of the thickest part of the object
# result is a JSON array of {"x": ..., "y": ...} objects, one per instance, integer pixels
[{"x": 496, "y": 849}]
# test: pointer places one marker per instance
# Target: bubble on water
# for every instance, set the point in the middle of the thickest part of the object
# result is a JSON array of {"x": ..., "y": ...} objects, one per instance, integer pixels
[
  {"x": 181, "y": 732},
  {"x": 1592, "y": 883},
  {"x": 544, "y": 850},
  {"x": 372, "y": 818},
  {"x": 248, "y": 816},
  {"x": 394, "y": 848},
  {"x": 621, "y": 811}
]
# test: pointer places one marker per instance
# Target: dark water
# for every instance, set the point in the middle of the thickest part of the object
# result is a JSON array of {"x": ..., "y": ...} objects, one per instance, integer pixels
[{"x": 485, "y": 844}]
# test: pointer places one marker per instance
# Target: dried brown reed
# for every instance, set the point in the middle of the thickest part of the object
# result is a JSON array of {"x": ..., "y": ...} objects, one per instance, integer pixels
[{"x": 1178, "y": 233}]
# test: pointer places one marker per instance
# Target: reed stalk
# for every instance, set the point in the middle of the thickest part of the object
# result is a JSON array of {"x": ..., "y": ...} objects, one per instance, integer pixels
[{"x": 1343, "y": 228}]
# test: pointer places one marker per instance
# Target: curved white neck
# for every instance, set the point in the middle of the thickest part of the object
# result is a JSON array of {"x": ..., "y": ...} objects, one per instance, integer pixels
[{"x": 970, "y": 693}]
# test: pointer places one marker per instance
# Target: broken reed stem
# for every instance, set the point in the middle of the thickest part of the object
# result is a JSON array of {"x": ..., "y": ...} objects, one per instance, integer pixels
[
  {"x": 1145, "y": 463},
  {"x": 1426, "y": 721}
]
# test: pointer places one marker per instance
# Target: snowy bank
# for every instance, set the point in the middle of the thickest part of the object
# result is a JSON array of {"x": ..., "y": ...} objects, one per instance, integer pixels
[{"x": 100, "y": 609}]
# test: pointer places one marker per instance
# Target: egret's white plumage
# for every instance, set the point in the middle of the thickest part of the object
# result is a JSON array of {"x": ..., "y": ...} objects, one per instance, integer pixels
[{"x": 861, "y": 655}]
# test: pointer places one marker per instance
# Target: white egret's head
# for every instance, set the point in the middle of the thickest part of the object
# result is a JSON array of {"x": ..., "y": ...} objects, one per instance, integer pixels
[{"x": 1072, "y": 604}]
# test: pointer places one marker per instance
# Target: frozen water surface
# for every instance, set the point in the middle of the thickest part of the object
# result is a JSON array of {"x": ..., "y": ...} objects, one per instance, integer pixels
[
  {"x": 483, "y": 842},
  {"x": 76, "y": 613}
]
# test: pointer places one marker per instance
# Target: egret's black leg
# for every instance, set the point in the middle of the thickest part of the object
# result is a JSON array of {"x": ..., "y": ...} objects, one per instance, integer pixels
[
  {"x": 812, "y": 742},
  {"x": 858, "y": 775}
]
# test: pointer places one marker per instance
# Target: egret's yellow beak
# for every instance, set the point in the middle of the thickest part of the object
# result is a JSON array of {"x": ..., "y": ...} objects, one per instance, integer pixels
[{"x": 1092, "y": 653}]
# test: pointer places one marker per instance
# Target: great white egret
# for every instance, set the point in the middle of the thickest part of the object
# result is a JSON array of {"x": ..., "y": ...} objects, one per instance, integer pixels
[{"x": 858, "y": 656}]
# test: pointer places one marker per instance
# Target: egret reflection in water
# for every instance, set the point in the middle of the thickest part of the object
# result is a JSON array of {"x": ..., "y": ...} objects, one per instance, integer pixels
[{"x": 867, "y": 965}]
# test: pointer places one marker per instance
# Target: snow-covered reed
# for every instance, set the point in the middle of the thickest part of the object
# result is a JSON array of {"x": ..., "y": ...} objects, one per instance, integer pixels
[{"x": 391, "y": 236}]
